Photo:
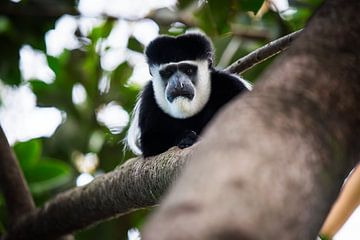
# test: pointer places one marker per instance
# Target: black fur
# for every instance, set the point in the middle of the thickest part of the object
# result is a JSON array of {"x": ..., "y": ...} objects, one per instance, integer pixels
[
  {"x": 159, "y": 131},
  {"x": 167, "y": 49}
]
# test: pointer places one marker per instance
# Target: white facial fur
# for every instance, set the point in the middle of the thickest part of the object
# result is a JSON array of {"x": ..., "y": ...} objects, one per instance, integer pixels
[{"x": 183, "y": 107}]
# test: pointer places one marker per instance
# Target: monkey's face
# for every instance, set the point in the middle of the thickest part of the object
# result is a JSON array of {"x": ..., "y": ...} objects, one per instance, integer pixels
[{"x": 183, "y": 88}]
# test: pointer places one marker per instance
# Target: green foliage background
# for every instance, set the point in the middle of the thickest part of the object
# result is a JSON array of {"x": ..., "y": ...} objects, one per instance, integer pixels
[{"x": 46, "y": 162}]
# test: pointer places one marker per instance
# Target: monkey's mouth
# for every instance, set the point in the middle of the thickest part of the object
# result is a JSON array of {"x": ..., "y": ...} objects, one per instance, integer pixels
[{"x": 172, "y": 95}]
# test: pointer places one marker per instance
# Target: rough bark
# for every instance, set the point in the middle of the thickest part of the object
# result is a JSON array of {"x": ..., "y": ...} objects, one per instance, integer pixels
[
  {"x": 13, "y": 185},
  {"x": 273, "y": 161},
  {"x": 136, "y": 184}
]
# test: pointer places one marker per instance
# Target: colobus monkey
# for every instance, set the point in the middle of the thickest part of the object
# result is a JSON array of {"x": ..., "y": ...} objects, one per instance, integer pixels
[{"x": 184, "y": 94}]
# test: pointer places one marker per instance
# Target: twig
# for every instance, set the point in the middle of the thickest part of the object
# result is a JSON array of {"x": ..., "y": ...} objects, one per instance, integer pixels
[
  {"x": 263, "y": 53},
  {"x": 16, "y": 192},
  {"x": 138, "y": 183}
]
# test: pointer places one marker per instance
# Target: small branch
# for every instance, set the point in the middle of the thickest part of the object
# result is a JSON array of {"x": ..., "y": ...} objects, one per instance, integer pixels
[
  {"x": 137, "y": 183},
  {"x": 16, "y": 192},
  {"x": 263, "y": 53}
]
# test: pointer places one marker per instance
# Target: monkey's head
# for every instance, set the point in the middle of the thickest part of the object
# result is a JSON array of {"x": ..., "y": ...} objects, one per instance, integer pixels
[{"x": 180, "y": 67}]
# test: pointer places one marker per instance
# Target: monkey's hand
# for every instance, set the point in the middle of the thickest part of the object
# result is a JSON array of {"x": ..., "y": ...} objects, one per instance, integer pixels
[{"x": 188, "y": 139}]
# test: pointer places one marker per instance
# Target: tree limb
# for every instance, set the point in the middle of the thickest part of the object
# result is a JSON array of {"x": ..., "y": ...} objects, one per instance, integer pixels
[
  {"x": 136, "y": 184},
  {"x": 263, "y": 53},
  {"x": 16, "y": 192}
]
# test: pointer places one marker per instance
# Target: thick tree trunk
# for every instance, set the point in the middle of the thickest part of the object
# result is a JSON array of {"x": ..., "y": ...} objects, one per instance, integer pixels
[{"x": 272, "y": 162}]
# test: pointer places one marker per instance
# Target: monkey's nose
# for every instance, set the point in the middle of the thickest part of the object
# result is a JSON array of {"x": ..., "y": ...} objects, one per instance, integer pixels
[
  {"x": 179, "y": 86},
  {"x": 184, "y": 91}
]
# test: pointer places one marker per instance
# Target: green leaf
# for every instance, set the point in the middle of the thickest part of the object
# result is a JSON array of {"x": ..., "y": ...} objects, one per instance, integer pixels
[
  {"x": 47, "y": 175},
  {"x": 5, "y": 24},
  {"x": 184, "y": 3},
  {"x": 38, "y": 86},
  {"x": 134, "y": 45},
  {"x": 9, "y": 70},
  {"x": 120, "y": 91},
  {"x": 121, "y": 74},
  {"x": 251, "y": 5},
  {"x": 102, "y": 31},
  {"x": 215, "y": 17},
  {"x": 323, "y": 237},
  {"x": 54, "y": 64},
  {"x": 28, "y": 153},
  {"x": 299, "y": 19}
]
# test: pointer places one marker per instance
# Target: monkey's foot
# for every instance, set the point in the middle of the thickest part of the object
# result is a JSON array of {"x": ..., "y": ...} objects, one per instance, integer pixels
[{"x": 188, "y": 140}]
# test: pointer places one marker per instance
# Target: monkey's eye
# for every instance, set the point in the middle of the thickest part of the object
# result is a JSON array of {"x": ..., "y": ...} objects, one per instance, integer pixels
[
  {"x": 166, "y": 73},
  {"x": 188, "y": 69}
]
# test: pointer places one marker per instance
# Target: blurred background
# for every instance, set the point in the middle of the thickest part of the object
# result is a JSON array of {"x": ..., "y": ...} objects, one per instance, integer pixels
[{"x": 70, "y": 72}]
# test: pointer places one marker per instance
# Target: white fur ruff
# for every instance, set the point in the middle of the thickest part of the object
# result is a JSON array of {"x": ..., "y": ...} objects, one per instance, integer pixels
[
  {"x": 246, "y": 83},
  {"x": 132, "y": 139}
]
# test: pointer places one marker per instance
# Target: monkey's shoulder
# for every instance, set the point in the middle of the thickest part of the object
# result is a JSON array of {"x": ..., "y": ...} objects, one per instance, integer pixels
[{"x": 225, "y": 86}]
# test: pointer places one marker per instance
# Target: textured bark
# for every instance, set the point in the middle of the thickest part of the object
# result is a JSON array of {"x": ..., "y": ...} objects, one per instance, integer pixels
[
  {"x": 136, "y": 184},
  {"x": 16, "y": 192},
  {"x": 273, "y": 161}
]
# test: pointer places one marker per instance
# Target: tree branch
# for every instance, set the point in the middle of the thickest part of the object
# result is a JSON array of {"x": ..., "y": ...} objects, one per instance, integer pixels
[
  {"x": 263, "y": 53},
  {"x": 16, "y": 192},
  {"x": 138, "y": 183}
]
